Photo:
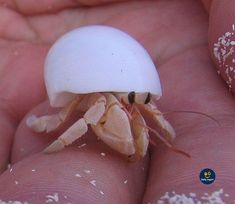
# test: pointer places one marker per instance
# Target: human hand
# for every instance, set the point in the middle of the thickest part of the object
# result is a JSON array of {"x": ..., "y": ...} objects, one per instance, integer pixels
[{"x": 175, "y": 34}]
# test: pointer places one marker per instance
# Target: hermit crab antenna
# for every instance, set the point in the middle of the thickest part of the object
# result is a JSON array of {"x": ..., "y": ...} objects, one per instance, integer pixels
[
  {"x": 167, "y": 143},
  {"x": 194, "y": 112}
]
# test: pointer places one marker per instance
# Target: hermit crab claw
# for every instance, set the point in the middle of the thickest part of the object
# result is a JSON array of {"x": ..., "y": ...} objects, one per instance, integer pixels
[{"x": 114, "y": 128}]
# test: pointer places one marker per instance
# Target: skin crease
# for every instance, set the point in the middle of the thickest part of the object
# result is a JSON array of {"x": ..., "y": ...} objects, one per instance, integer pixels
[{"x": 177, "y": 41}]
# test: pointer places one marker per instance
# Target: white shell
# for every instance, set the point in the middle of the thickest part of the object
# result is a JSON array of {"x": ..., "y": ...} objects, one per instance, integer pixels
[{"x": 98, "y": 59}]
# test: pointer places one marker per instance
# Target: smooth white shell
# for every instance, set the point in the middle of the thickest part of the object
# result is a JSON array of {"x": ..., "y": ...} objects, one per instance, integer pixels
[{"x": 98, "y": 59}]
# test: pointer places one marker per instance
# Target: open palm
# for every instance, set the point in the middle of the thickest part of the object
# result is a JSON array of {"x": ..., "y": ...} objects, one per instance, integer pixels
[{"x": 175, "y": 34}]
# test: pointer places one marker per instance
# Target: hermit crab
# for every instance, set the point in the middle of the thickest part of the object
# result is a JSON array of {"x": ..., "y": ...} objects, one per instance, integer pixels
[{"x": 106, "y": 74}]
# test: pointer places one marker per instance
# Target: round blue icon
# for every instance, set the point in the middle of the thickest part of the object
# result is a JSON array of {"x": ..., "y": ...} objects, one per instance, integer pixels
[{"x": 207, "y": 176}]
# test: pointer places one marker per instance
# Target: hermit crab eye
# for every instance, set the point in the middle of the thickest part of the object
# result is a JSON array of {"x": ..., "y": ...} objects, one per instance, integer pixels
[
  {"x": 139, "y": 98},
  {"x": 131, "y": 97},
  {"x": 148, "y": 98}
]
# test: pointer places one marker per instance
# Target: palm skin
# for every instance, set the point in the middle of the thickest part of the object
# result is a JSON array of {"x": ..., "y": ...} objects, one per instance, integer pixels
[{"x": 175, "y": 34}]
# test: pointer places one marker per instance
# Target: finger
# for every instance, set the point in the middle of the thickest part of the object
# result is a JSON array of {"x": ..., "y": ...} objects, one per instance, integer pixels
[
  {"x": 21, "y": 88},
  {"x": 198, "y": 88},
  {"x": 207, "y": 4},
  {"x": 31, "y": 7},
  {"x": 22, "y": 84},
  {"x": 80, "y": 165},
  {"x": 124, "y": 16},
  {"x": 38, "y": 28},
  {"x": 74, "y": 176},
  {"x": 222, "y": 39},
  {"x": 18, "y": 28},
  {"x": 8, "y": 125}
]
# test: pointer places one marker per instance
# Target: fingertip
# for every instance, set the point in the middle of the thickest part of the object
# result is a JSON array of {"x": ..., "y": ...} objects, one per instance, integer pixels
[
  {"x": 222, "y": 40},
  {"x": 76, "y": 176}
]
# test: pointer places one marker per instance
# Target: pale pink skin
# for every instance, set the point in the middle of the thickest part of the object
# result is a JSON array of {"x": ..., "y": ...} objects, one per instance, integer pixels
[{"x": 189, "y": 82}]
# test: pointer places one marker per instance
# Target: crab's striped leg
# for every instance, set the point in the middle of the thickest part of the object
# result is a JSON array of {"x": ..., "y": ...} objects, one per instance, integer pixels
[
  {"x": 79, "y": 128},
  {"x": 49, "y": 123},
  {"x": 114, "y": 127}
]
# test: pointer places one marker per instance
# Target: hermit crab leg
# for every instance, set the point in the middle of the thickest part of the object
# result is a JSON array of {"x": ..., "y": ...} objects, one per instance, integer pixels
[
  {"x": 140, "y": 133},
  {"x": 79, "y": 128},
  {"x": 162, "y": 125},
  {"x": 49, "y": 123}
]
